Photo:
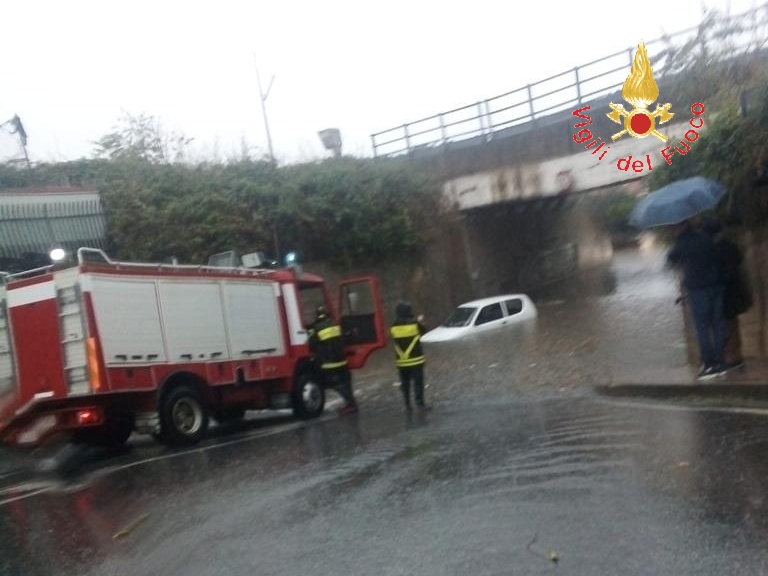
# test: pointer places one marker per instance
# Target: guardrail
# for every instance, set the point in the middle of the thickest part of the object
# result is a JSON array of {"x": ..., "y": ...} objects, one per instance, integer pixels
[{"x": 550, "y": 95}]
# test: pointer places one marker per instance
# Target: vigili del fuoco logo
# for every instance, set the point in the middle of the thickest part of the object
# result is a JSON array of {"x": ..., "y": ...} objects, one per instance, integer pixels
[{"x": 640, "y": 91}]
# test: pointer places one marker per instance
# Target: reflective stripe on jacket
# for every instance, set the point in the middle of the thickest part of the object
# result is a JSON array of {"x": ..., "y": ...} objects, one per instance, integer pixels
[
  {"x": 325, "y": 341},
  {"x": 328, "y": 333},
  {"x": 408, "y": 351}
]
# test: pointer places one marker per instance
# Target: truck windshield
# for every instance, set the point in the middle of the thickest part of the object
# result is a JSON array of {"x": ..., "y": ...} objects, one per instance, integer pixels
[{"x": 460, "y": 317}]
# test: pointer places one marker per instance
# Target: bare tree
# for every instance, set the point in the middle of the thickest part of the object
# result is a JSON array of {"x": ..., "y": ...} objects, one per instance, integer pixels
[{"x": 142, "y": 137}]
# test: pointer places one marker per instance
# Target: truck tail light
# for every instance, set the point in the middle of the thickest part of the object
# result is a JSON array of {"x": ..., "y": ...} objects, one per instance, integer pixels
[{"x": 94, "y": 370}]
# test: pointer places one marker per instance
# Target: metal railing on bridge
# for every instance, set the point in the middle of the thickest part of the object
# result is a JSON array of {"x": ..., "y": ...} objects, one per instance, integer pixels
[{"x": 557, "y": 93}]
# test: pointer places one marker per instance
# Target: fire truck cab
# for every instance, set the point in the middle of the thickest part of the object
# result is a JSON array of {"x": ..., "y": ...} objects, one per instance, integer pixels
[{"x": 104, "y": 348}]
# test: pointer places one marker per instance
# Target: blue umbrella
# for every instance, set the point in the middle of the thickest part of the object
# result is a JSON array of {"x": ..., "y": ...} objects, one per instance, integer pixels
[{"x": 676, "y": 202}]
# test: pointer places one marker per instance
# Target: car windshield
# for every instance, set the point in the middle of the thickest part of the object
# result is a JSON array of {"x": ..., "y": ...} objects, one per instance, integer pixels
[{"x": 460, "y": 317}]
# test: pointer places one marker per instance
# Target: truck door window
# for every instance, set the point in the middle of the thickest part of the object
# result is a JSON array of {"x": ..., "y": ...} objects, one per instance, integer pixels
[
  {"x": 310, "y": 298},
  {"x": 356, "y": 300},
  {"x": 357, "y": 313}
]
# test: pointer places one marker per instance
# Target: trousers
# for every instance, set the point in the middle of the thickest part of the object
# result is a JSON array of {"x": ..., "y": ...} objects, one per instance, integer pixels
[
  {"x": 340, "y": 379},
  {"x": 415, "y": 375},
  {"x": 707, "y": 308}
]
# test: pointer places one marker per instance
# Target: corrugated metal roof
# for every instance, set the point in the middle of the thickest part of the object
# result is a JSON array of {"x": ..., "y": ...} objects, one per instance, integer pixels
[{"x": 35, "y": 220}]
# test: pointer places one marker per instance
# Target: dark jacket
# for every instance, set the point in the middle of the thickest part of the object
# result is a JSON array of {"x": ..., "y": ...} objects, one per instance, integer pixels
[
  {"x": 406, "y": 333},
  {"x": 695, "y": 254},
  {"x": 325, "y": 341},
  {"x": 730, "y": 258},
  {"x": 738, "y": 296}
]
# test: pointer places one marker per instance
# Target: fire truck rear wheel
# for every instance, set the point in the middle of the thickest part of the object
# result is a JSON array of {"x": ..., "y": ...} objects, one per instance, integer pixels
[
  {"x": 183, "y": 417},
  {"x": 308, "y": 396}
]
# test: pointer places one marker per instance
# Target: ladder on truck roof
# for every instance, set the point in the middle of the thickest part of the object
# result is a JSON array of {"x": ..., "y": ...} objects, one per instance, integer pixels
[
  {"x": 102, "y": 258},
  {"x": 83, "y": 252},
  {"x": 72, "y": 332}
]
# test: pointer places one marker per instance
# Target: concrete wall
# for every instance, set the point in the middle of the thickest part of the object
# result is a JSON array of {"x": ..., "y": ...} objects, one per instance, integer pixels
[
  {"x": 754, "y": 324},
  {"x": 434, "y": 282}
]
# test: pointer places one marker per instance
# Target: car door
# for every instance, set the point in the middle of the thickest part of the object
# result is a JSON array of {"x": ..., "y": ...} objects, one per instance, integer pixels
[
  {"x": 362, "y": 319},
  {"x": 490, "y": 317}
]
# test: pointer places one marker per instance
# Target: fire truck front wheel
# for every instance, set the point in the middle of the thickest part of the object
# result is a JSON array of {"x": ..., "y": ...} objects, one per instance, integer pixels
[
  {"x": 183, "y": 417},
  {"x": 308, "y": 396}
]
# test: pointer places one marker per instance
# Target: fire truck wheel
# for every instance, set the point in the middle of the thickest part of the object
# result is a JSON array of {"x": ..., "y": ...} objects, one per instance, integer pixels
[
  {"x": 308, "y": 396},
  {"x": 183, "y": 417}
]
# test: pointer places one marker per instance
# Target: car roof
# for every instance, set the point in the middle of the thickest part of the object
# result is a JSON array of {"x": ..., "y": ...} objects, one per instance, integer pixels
[{"x": 492, "y": 300}]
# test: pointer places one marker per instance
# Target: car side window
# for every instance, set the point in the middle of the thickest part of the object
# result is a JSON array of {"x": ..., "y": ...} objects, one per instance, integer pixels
[
  {"x": 489, "y": 314},
  {"x": 514, "y": 306}
]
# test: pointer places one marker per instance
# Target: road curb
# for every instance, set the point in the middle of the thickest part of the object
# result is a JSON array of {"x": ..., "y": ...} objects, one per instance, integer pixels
[{"x": 742, "y": 391}]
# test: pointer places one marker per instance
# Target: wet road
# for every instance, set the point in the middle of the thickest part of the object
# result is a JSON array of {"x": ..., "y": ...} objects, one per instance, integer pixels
[
  {"x": 611, "y": 489},
  {"x": 515, "y": 448}
]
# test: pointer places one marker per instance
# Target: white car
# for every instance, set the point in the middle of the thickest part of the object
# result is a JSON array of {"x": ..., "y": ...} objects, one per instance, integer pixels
[{"x": 483, "y": 315}]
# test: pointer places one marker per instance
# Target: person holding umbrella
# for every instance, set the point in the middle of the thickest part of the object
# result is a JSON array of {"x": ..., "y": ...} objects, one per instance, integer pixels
[{"x": 695, "y": 254}]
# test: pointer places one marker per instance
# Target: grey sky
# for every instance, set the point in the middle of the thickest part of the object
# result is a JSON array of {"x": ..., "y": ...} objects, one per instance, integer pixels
[{"x": 70, "y": 68}]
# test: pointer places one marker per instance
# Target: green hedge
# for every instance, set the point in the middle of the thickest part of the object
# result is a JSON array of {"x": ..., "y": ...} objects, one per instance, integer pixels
[{"x": 346, "y": 211}]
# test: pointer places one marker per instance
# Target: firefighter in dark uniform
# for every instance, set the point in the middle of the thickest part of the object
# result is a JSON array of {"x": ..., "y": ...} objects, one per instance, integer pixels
[
  {"x": 325, "y": 341},
  {"x": 406, "y": 333}
]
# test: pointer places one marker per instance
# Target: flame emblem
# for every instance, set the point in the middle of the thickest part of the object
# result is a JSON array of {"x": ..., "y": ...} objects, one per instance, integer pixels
[{"x": 640, "y": 90}]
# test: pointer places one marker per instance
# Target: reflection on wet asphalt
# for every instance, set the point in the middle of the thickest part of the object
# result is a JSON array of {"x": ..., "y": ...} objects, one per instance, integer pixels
[
  {"x": 515, "y": 448},
  {"x": 611, "y": 489}
]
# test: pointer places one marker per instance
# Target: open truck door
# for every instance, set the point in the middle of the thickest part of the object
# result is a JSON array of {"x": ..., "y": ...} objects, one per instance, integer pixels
[{"x": 362, "y": 319}]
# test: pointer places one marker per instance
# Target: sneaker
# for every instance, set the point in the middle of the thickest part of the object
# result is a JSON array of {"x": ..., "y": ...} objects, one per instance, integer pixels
[
  {"x": 707, "y": 373},
  {"x": 720, "y": 370},
  {"x": 424, "y": 408}
]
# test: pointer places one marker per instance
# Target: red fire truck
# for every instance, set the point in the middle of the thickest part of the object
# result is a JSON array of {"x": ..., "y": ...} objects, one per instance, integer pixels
[{"x": 103, "y": 348}]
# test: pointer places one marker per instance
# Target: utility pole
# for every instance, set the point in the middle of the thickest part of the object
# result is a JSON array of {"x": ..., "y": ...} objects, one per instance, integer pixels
[{"x": 263, "y": 97}]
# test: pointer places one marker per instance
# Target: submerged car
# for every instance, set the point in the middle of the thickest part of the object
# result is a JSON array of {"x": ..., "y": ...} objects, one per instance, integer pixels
[{"x": 483, "y": 315}]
